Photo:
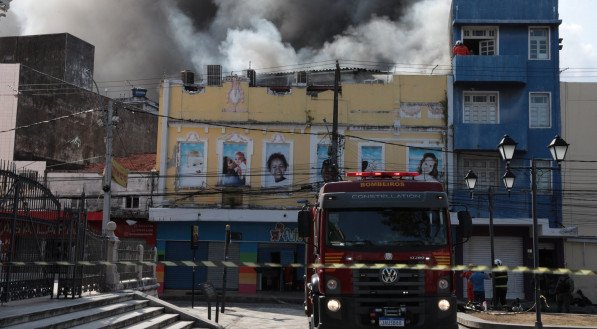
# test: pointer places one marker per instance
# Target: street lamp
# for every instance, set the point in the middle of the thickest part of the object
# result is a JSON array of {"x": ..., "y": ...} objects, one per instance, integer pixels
[
  {"x": 509, "y": 179},
  {"x": 471, "y": 181},
  {"x": 557, "y": 148}
]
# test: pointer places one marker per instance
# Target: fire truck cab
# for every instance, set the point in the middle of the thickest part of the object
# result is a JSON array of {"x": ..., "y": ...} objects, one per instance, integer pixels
[{"x": 369, "y": 246}]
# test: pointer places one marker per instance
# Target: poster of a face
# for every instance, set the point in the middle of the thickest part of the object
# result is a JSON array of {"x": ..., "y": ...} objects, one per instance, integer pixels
[
  {"x": 277, "y": 164},
  {"x": 234, "y": 165},
  {"x": 191, "y": 166},
  {"x": 371, "y": 158},
  {"x": 427, "y": 162}
]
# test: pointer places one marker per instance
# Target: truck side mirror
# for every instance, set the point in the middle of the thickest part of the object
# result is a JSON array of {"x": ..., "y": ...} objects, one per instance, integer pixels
[
  {"x": 465, "y": 224},
  {"x": 304, "y": 223}
]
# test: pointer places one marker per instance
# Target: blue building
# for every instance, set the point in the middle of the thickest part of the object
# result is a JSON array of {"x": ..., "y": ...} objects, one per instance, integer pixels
[{"x": 508, "y": 85}]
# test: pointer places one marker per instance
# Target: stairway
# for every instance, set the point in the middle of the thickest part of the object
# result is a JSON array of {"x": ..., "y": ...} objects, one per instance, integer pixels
[{"x": 134, "y": 310}]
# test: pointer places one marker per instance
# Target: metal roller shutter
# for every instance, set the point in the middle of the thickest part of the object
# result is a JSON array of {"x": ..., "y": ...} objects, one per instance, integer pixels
[
  {"x": 180, "y": 277},
  {"x": 509, "y": 249},
  {"x": 216, "y": 275}
]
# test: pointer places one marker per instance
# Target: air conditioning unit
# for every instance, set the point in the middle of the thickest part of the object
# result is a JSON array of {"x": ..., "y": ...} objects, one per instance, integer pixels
[
  {"x": 214, "y": 75},
  {"x": 252, "y": 77},
  {"x": 188, "y": 77},
  {"x": 232, "y": 199}
]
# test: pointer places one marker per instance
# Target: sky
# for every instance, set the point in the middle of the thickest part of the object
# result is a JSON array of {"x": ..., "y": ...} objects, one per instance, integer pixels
[{"x": 138, "y": 42}]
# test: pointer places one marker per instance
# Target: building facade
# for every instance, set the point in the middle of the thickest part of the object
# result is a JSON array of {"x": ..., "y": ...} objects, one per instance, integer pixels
[
  {"x": 578, "y": 103},
  {"x": 54, "y": 127},
  {"x": 244, "y": 152},
  {"x": 129, "y": 202},
  {"x": 508, "y": 85},
  {"x": 51, "y": 117}
]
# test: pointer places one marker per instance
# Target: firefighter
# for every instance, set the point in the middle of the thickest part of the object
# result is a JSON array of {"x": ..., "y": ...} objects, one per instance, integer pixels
[
  {"x": 500, "y": 280},
  {"x": 460, "y": 49}
]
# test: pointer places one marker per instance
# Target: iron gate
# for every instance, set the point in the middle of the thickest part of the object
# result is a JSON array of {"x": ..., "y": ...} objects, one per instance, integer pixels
[{"x": 42, "y": 244}]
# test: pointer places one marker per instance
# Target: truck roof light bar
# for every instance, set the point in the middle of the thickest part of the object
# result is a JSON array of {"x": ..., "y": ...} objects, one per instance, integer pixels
[{"x": 383, "y": 174}]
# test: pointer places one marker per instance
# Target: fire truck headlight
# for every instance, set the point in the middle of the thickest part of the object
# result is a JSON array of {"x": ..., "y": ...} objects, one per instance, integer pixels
[
  {"x": 443, "y": 304},
  {"x": 332, "y": 285},
  {"x": 334, "y": 305},
  {"x": 443, "y": 285}
]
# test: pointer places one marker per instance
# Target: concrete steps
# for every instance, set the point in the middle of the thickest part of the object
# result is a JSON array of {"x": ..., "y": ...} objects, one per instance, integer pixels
[{"x": 118, "y": 310}]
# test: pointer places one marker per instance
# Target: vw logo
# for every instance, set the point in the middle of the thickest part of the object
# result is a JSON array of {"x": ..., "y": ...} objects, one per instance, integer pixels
[{"x": 388, "y": 275}]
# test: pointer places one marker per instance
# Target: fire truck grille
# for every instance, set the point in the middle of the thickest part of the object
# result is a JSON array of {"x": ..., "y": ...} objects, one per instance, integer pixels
[{"x": 406, "y": 292}]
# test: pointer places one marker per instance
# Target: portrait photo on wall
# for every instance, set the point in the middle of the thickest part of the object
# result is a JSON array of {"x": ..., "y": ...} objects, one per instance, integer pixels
[
  {"x": 277, "y": 171},
  {"x": 234, "y": 167},
  {"x": 427, "y": 162},
  {"x": 191, "y": 165},
  {"x": 322, "y": 155},
  {"x": 371, "y": 158}
]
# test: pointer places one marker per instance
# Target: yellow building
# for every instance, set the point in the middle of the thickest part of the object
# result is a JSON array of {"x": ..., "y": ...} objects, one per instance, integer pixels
[{"x": 234, "y": 151}]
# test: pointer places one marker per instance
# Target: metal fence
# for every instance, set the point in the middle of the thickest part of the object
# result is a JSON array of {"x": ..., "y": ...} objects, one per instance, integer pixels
[
  {"x": 134, "y": 275},
  {"x": 48, "y": 249},
  {"x": 34, "y": 228}
]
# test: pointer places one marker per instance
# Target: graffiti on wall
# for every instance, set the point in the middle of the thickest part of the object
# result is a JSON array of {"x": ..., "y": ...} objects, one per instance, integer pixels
[{"x": 282, "y": 233}]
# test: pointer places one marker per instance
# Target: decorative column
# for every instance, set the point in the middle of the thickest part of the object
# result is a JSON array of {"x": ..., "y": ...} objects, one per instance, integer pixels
[{"x": 112, "y": 275}]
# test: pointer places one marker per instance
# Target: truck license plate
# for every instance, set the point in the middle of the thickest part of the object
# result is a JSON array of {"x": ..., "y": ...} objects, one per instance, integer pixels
[{"x": 391, "y": 322}]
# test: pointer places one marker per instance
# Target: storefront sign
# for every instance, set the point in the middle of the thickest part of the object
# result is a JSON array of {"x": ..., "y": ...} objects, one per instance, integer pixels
[{"x": 281, "y": 233}]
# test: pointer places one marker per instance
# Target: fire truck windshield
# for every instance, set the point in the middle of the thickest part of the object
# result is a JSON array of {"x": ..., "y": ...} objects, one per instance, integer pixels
[{"x": 362, "y": 228}]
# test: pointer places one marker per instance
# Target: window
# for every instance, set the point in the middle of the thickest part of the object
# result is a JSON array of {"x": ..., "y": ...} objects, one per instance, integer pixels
[
  {"x": 481, "y": 40},
  {"x": 539, "y": 110},
  {"x": 480, "y": 108},
  {"x": 543, "y": 177},
  {"x": 132, "y": 202},
  {"x": 486, "y": 167},
  {"x": 539, "y": 43}
]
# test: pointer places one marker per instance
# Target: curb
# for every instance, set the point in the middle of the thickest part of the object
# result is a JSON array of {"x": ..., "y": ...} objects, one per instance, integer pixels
[{"x": 472, "y": 322}]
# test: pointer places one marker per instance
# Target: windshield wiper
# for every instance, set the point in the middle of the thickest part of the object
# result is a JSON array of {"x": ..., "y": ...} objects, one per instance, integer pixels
[
  {"x": 360, "y": 242},
  {"x": 408, "y": 242}
]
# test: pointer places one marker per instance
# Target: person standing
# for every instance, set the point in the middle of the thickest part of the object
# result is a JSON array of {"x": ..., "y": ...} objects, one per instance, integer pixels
[
  {"x": 500, "y": 280},
  {"x": 469, "y": 285},
  {"x": 460, "y": 49},
  {"x": 564, "y": 289},
  {"x": 478, "y": 281}
]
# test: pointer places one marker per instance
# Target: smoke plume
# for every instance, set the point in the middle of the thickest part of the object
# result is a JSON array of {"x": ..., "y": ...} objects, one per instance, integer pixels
[{"x": 139, "y": 42}]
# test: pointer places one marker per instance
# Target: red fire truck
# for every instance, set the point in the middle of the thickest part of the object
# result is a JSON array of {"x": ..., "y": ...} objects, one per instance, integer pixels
[{"x": 369, "y": 244}]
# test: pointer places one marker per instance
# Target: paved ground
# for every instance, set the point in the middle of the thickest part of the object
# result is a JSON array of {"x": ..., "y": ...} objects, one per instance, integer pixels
[{"x": 254, "y": 315}]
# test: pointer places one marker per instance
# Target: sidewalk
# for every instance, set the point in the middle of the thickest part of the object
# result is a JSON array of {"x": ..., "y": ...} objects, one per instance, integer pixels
[{"x": 277, "y": 297}]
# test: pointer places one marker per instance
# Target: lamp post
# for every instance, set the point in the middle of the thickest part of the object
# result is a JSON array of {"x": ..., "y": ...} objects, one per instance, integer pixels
[
  {"x": 557, "y": 148},
  {"x": 471, "y": 181}
]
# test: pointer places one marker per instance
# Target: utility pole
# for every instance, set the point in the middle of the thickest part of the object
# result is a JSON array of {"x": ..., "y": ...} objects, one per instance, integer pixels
[
  {"x": 334, "y": 146},
  {"x": 107, "y": 169}
]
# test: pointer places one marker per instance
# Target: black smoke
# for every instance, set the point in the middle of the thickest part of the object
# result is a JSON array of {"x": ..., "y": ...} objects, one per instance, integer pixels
[{"x": 139, "y": 42}]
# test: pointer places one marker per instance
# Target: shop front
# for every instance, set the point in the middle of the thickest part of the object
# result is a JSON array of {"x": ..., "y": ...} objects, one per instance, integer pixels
[{"x": 273, "y": 245}]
